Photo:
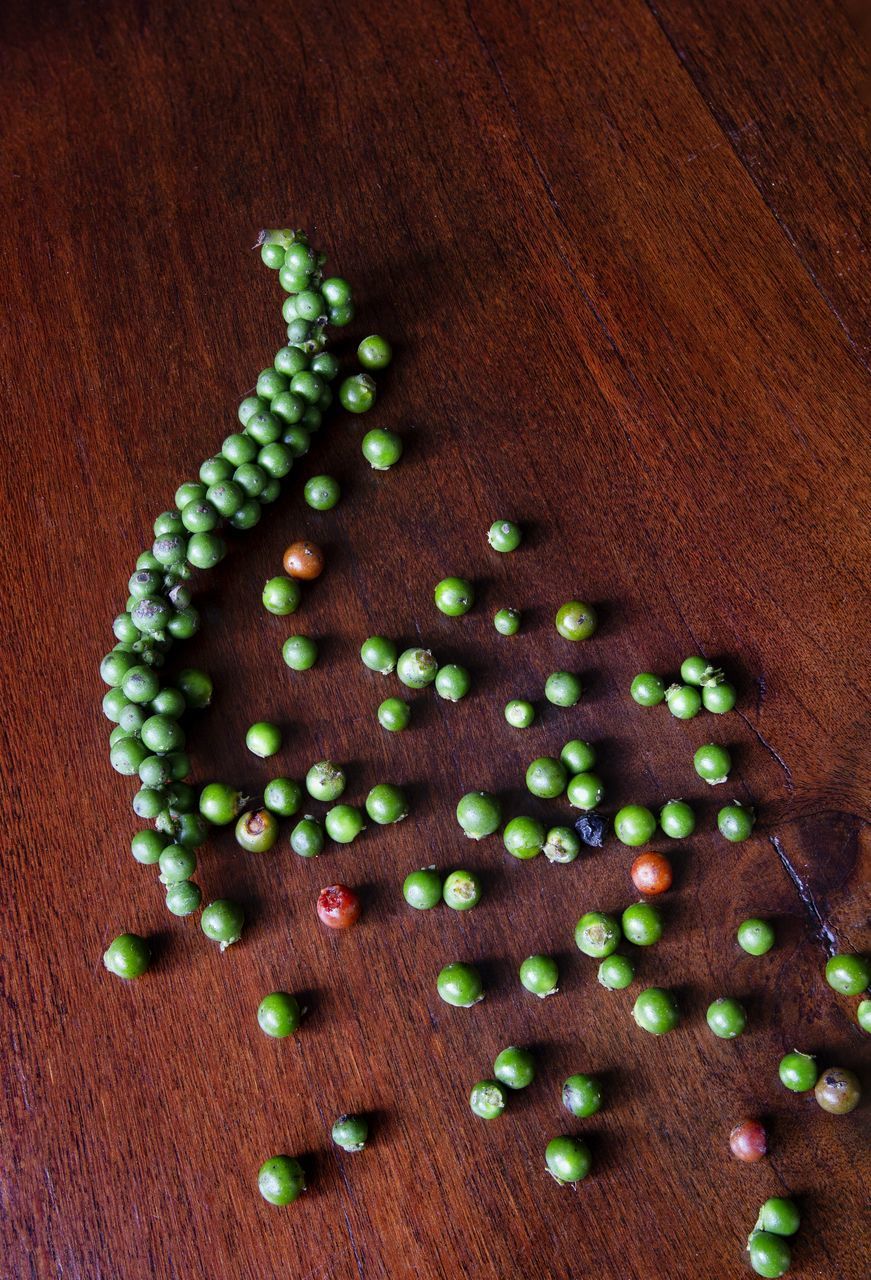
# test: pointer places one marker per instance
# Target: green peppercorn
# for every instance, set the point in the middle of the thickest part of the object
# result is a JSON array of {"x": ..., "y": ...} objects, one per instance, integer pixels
[
  {"x": 300, "y": 652},
  {"x": 726, "y": 1018},
  {"x": 524, "y": 837},
  {"x": 519, "y": 713},
  {"x": 127, "y": 956},
  {"x": 647, "y": 690},
  {"x": 257, "y": 831},
  {"x": 585, "y": 791},
  {"x": 567, "y": 1160},
  {"x": 357, "y": 394},
  {"x": 479, "y": 814},
  {"x": 504, "y": 535},
  {"x": 540, "y": 976},
  {"x": 656, "y": 1011},
  {"x": 183, "y": 898},
  {"x": 283, "y": 796},
  {"x": 307, "y": 837},
  {"x": 281, "y": 1180},
  {"x": 507, "y": 621},
  {"x": 677, "y": 820},
  {"x": 683, "y": 700},
  {"x": 423, "y": 889},
  {"x": 343, "y": 823},
  {"x": 350, "y": 1132},
  {"x": 374, "y": 352},
  {"x": 263, "y": 739},
  {"x": 582, "y": 1095},
  {"x": 563, "y": 689},
  {"x": 616, "y": 972},
  {"x": 597, "y": 934},
  {"x": 735, "y": 822},
  {"x": 386, "y": 804},
  {"x": 514, "y": 1067},
  {"x": 279, "y": 1015},
  {"x": 576, "y": 621},
  {"x": 755, "y": 936},
  {"x": 561, "y": 844},
  {"x": 379, "y": 654},
  {"x": 546, "y": 777},
  {"x": 416, "y": 668},
  {"x": 642, "y": 924},
  {"x": 382, "y": 449},
  {"x": 452, "y": 682},
  {"x": 488, "y": 1099},
  {"x": 222, "y": 921},
  {"x": 394, "y": 715},
  {"x": 848, "y": 974},
  {"x": 460, "y": 985},
  {"x": 454, "y": 596},
  {"x": 322, "y": 493},
  {"x": 634, "y": 825},
  {"x": 462, "y": 890}
]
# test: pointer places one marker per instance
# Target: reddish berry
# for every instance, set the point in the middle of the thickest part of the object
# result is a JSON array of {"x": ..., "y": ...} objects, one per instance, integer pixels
[
  {"x": 748, "y": 1141},
  {"x": 651, "y": 873},
  {"x": 338, "y": 906}
]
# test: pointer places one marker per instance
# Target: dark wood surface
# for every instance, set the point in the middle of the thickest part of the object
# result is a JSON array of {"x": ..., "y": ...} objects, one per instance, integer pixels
[{"x": 618, "y": 248}]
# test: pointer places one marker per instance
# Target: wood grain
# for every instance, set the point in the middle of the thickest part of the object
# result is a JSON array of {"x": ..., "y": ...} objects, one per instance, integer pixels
[{"x": 620, "y": 318}]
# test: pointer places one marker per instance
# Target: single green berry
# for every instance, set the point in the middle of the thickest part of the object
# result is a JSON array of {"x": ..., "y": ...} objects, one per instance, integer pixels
[
  {"x": 281, "y": 1180},
  {"x": 379, "y": 654},
  {"x": 127, "y": 956},
  {"x": 423, "y": 889},
  {"x": 567, "y": 1159},
  {"x": 462, "y": 890},
  {"x": 350, "y": 1132},
  {"x": 416, "y": 668},
  {"x": 540, "y": 976},
  {"x": 582, "y": 1095},
  {"x": 524, "y": 837},
  {"x": 634, "y": 825},
  {"x": 849, "y": 974},
  {"x": 597, "y": 934},
  {"x": 454, "y": 596},
  {"x": 726, "y": 1018},
  {"x": 647, "y": 690},
  {"x": 735, "y": 822},
  {"x": 798, "y": 1071},
  {"x": 514, "y": 1067},
  {"x": 755, "y": 936},
  {"x": 507, "y": 621},
  {"x": 263, "y": 739},
  {"x": 394, "y": 715},
  {"x": 677, "y": 819},
  {"x": 563, "y": 689},
  {"x": 504, "y": 535},
  {"x": 576, "y": 621},
  {"x": 452, "y": 682},
  {"x": 656, "y": 1011},
  {"x": 488, "y": 1099},
  {"x": 519, "y": 714},
  {"x": 616, "y": 972},
  {"x": 460, "y": 985},
  {"x": 382, "y": 449},
  {"x": 479, "y": 814},
  {"x": 279, "y": 1015}
]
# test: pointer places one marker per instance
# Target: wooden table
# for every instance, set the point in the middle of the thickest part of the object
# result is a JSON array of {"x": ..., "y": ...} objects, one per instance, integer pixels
[{"x": 618, "y": 248}]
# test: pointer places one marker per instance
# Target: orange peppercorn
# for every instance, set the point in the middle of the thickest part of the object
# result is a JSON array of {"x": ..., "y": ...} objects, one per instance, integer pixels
[
  {"x": 651, "y": 873},
  {"x": 304, "y": 560}
]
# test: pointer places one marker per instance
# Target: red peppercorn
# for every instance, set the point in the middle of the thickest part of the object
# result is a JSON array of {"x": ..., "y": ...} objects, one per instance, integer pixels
[
  {"x": 304, "y": 560},
  {"x": 338, "y": 906},
  {"x": 748, "y": 1141},
  {"x": 651, "y": 873}
]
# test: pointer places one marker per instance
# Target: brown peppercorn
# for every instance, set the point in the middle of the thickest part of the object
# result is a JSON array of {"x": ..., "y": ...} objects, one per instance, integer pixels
[
  {"x": 303, "y": 560},
  {"x": 838, "y": 1091},
  {"x": 748, "y": 1141}
]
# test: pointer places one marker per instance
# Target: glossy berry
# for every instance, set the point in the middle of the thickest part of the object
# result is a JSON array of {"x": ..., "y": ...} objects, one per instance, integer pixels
[
  {"x": 838, "y": 1091},
  {"x": 719, "y": 698},
  {"x": 576, "y": 621},
  {"x": 504, "y": 535},
  {"x": 379, "y": 654},
  {"x": 770, "y": 1255},
  {"x": 386, "y": 803},
  {"x": 307, "y": 838},
  {"x": 597, "y": 934},
  {"x": 416, "y": 668},
  {"x": 567, "y": 1159},
  {"x": 748, "y": 1141},
  {"x": 863, "y": 1015},
  {"x": 394, "y": 715},
  {"x": 183, "y": 898},
  {"x": 780, "y": 1216},
  {"x": 798, "y": 1071},
  {"x": 460, "y": 985},
  {"x": 524, "y": 837},
  {"x": 677, "y": 819},
  {"x": 222, "y": 922},
  {"x": 127, "y": 956},
  {"x": 263, "y": 739},
  {"x": 507, "y": 621},
  {"x": 563, "y": 689},
  {"x": 488, "y": 1099},
  {"x": 423, "y": 889},
  {"x": 726, "y": 1018},
  {"x": 519, "y": 714},
  {"x": 303, "y": 560},
  {"x": 462, "y": 890},
  {"x": 634, "y": 825},
  {"x": 454, "y": 596},
  {"x": 582, "y": 1095},
  {"x": 656, "y": 1011},
  {"x": 343, "y": 823},
  {"x": 651, "y": 873},
  {"x": 546, "y": 777},
  {"x": 647, "y": 690},
  {"x": 712, "y": 762},
  {"x": 282, "y": 796},
  {"x": 616, "y": 972},
  {"x": 514, "y": 1067},
  {"x": 684, "y": 701},
  {"x": 755, "y": 936},
  {"x": 699, "y": 671},
  {"x": 382, "y": 449},
  {"x": 357, "y": 393},
  {"x": 578, "y": 756},
  {"x": 220, "y": 804},
  {"x": 281, "y": 1180},
  {"x": 848, "y": 974},
  {"x": 642, "y": 924},
  {"x": 257, "y": 831},
  {"x": 479, "y": 814},
  {"x": 350, "y": 1132},
  {"x": 561, "y": 844},
  {"x": 539, "y": 975},
  {"x": 374, "y": 352},
  {"x": 322, "y": 493},
  {"x": 325, "y": 781},
  {"x": 338, "y": 907},
  {"x": 585, "y": 791},
  {"x": 735, "y": 822},
  {"x": 452, "y": 682},
  {"x": 279, "y": 1015}
]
